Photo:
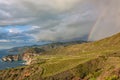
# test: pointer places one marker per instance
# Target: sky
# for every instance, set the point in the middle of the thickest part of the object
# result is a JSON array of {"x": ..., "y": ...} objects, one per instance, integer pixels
[{"x": 29, "y": 22}]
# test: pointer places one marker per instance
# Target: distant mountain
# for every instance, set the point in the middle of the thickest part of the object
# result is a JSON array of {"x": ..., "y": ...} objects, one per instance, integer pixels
[
  {"x": 46, "y": 46},
  {"x": 99, "y": 60}
]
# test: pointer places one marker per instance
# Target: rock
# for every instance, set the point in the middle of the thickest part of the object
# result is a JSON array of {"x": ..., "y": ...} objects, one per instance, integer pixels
[
  {"x": 4, "y": 59},
  {"x": 10, "y": 58},
  {"x": 27, "y": 57}
]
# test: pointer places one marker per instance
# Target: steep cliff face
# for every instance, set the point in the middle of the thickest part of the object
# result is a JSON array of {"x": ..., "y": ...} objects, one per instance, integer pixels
[
  {"x": 26, "y": 56},
  {"x": 11, "y": 58}
]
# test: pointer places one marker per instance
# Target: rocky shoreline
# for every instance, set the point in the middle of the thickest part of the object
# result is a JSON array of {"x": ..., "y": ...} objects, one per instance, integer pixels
[
  {"x": 11, "y": 58},
  {"x": 27, "y": 57}
]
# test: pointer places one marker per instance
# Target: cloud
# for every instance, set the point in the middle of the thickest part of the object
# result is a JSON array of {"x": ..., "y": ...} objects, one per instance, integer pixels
[
  {"x": 68, "y": 28},
  {"x": 49, "y": 20},
  {"x": 4, "y": 41},
  {"x": 57, "y": 20},
  {"x": 14, "y": 30},
  {"x": 12, "y": 37},
  {"x": 25, "y": 11}
]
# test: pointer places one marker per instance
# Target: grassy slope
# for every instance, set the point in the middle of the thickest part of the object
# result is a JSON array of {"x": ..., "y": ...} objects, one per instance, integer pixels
[{"x": 71, "y": 60}]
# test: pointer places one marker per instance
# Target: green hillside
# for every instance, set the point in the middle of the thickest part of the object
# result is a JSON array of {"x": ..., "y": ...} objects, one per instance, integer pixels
[{"x": 98, "y": 60}]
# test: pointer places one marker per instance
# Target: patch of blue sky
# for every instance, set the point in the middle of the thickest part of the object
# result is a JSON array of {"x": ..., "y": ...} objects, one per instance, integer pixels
[{"x": 18, "y": 27}]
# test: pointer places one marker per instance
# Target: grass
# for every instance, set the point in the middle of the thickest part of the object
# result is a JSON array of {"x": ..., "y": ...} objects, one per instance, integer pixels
[
  {"x": 59, "y": 63},
  {"x": 58, "y": 67}
]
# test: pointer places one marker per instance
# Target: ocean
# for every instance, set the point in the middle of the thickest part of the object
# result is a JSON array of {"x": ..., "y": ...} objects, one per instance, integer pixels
[{"x": 6, "y": 65}]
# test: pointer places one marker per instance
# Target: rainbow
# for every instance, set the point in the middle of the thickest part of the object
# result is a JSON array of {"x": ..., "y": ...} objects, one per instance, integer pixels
[{"x": 95, "y": 26}]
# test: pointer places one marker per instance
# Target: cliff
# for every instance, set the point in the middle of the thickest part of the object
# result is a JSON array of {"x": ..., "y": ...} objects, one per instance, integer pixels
[
  {"x": 11, "y": 58},
  {"x": 27, "y": 56}
]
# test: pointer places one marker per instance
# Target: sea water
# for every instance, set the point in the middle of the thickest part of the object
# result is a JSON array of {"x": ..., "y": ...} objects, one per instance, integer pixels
[{"x": 6, "y": 65}]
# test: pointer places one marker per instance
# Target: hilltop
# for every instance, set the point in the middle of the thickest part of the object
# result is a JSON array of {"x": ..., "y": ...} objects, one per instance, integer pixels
[{"x": 99, "y": 60}]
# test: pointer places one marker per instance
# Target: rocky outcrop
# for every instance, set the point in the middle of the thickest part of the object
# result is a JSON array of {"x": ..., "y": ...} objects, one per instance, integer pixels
[
  {"x": 25, "y": 57},
  {"x": 11, "y": 58},
  {"x": 28, "y": 57}
]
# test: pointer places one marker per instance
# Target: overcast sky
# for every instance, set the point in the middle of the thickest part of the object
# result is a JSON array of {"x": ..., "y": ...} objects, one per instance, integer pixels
[{"x": 27, "y": 22}]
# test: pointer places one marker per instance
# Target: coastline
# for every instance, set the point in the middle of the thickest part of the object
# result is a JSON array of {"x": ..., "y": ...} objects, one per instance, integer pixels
[{"x": 7, "y": 65}]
